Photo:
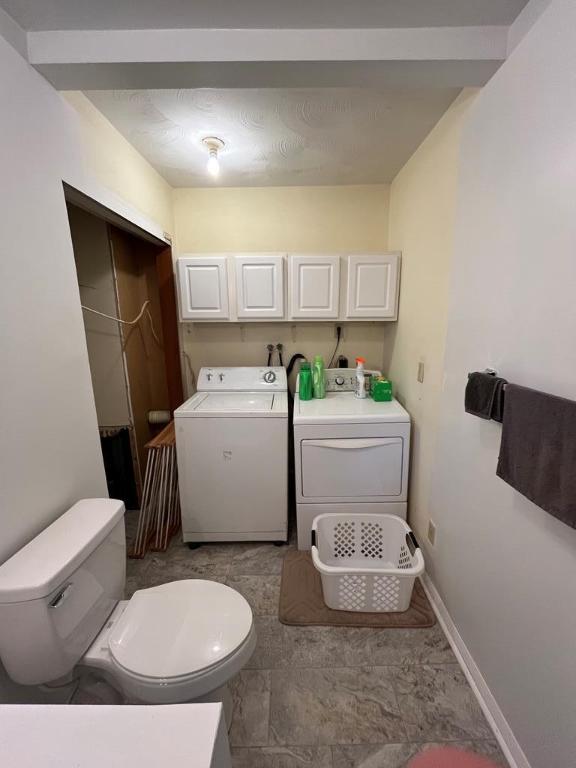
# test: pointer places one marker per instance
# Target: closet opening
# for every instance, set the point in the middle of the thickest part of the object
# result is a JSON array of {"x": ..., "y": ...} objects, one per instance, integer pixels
[{"x": 127, "y": 292}]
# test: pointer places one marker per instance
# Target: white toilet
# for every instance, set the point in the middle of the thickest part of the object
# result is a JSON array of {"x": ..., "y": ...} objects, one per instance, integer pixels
[{"x": 61, "y": 608}]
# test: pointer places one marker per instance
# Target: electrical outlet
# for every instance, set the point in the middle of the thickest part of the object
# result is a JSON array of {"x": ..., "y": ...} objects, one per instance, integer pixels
[
  {"x": 421, "y": 372},
  {"x": 432, "y": 532}
]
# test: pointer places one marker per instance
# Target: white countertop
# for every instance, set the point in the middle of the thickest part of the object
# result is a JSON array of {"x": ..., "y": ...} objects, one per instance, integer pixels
[{"x": 80, "y": 736}]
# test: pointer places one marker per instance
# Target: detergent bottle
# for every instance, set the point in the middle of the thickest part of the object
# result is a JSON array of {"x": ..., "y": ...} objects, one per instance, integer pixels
[{"x": 318, "y": 377}]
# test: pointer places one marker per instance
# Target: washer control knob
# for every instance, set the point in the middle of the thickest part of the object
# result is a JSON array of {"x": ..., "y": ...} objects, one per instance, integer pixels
[
  {"x": 339, "y": 380},
  {"x": 269, "y": 377}
]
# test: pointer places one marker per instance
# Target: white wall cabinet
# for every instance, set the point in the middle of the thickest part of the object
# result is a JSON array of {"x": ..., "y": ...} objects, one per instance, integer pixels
[
  {"x": 251, "y": 287},
  {"x": 259, "y": 286},
  {"x": 203, "y": 283},
  {"x": 372, "y": 291},
  {"x": 314, "y": 287}
]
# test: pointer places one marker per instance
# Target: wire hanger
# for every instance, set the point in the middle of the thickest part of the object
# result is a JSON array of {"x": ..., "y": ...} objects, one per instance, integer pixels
[{"x": 144, "y": 310}]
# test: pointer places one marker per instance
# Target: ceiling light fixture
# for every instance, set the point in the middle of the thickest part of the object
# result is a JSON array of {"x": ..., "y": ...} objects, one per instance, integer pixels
[{"x": 213, "y": 145}]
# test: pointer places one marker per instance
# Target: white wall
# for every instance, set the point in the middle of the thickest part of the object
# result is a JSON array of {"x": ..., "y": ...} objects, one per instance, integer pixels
[
  {"x": 506, "y": 569},
  {"x": 50, "y": 453},
  {"x": 49, "y": 448}
]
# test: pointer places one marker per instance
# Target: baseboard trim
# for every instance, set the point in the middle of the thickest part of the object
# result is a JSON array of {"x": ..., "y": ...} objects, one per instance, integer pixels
[{"x": 502, "y": 731}]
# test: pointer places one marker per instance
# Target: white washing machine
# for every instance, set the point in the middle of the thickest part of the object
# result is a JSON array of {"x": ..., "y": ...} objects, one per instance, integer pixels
[
  {"x": 232, "y": 450},
  {"x": 351, "y": 455}
]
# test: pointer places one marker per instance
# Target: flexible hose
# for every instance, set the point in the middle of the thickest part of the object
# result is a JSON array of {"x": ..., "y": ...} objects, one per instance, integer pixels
[{"x": 292, "y": 362}]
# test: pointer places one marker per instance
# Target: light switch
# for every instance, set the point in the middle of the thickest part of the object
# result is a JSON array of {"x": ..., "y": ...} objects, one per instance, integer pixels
[{"x": 421, "y": 372}]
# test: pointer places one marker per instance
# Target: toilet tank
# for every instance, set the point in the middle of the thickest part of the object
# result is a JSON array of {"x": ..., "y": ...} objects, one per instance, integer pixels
[{"x": 57, "y": 592}]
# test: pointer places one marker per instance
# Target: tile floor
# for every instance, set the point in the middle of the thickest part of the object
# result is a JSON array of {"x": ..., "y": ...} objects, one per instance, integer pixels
[{"x": 328, "y": 697}]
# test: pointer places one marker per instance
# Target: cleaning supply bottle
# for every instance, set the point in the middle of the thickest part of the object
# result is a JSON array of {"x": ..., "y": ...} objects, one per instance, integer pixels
[
  {"x": 360, "y": 390},
  {"x": 318, "y": 380},
  {"x": 305, "y": 382},
  {"x": 382, "y": 390}
]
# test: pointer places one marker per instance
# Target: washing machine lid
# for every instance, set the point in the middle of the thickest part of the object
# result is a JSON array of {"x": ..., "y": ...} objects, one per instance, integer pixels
[
  {"x": 234, "y": 404},
  {"x": 180, "y": 628},
  {"x": 236, "y": 401}
]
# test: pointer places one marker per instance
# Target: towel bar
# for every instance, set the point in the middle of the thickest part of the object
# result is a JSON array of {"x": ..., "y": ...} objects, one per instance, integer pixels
[{"x": 491, "y": 372}]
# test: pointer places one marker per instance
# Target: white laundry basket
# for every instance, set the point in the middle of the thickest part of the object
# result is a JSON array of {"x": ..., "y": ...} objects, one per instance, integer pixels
[{"x": 368, "y": 563}]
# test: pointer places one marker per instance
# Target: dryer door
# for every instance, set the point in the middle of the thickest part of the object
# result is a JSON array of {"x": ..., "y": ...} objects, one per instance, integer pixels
[{"x": 352, "y": 468}]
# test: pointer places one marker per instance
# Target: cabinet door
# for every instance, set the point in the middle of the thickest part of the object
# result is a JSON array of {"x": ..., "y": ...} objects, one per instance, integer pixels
[
  {"x": 203, "y": 283},
  {"x": 314, "y": 286},
  {"x": 260, "y": 286},
  {"x": 373, "y": 286}
]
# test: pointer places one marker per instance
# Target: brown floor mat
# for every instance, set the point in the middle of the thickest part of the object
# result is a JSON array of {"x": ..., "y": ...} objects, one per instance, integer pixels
[{"x": 301, "y": 601}]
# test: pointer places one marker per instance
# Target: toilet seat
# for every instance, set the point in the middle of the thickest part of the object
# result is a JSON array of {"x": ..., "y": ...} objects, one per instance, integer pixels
[
  {"x": 176, "y": 642},
  {"x": 176, "y": 630}
]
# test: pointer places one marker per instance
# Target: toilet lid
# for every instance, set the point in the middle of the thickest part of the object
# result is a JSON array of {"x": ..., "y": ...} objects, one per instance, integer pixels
[{"x": 180, "y": 628}]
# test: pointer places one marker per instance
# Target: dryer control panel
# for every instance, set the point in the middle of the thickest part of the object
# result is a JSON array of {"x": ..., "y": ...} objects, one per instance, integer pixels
[{"x": 343, "y": 379}]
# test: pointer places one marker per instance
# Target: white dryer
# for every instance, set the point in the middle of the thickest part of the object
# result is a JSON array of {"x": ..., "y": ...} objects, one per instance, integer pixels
[
  {"x": 232, "y": 450},
  {"x": 351, "y": 455}
]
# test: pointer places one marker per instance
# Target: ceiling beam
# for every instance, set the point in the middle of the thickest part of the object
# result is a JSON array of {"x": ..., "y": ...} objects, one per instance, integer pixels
[
  {"x": 193, "y": 58},
  {"x": 264, "y": 74},
  {"x": 182, "y": 45},
  {"x": 13, "y": 33}
]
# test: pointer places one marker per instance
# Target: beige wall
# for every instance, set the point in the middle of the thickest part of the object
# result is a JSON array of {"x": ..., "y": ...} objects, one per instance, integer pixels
[
  {"x": 115, "y": 163},
  {"x": 282, "y": 218},
  {"x": 291, "y": 219},
  {"x": 237, "y": 344},
  {"x": 422, "y": 212}
]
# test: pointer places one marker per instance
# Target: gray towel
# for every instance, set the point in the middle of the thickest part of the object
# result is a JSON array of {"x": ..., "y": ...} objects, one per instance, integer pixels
[
  {"x": 484, "y": 396},
  {"x": 538, "y": 450}
]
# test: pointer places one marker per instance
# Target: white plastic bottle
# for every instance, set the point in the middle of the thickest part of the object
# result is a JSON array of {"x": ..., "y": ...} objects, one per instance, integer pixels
[{"x": 360, "y": 390}]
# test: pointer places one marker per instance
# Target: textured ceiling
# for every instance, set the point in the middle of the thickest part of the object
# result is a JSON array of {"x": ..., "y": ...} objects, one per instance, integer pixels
[
  {"x": 243, "y": 14},
  {"x": 276, "y": 137}
]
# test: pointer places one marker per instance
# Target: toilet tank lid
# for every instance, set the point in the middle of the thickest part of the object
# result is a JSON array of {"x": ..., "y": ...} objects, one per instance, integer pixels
[{"x": 43, "y": 564}]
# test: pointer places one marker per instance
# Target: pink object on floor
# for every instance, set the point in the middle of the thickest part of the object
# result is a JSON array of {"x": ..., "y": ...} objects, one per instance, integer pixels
[{"x": 448, "y": 757}]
